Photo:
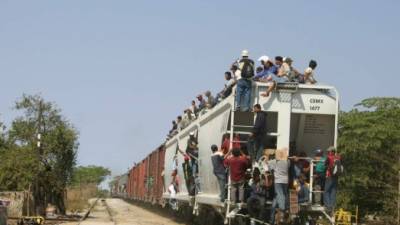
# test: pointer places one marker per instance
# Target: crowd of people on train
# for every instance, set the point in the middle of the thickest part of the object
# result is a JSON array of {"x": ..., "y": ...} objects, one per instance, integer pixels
[
  {"x": 241, "y": 74},
  {"x": 258, "y": 175}
]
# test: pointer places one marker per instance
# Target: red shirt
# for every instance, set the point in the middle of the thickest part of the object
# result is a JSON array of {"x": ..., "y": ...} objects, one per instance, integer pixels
[
  {"x": 237, "y": 167},
  {"x": 330, "y": 162},
  {"x": 226, "y": 143}
]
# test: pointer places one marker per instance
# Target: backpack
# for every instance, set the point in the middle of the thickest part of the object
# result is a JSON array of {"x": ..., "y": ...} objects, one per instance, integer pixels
[
  {"x": 338, "y": 168},
  {"x": 247, "y": 69}
]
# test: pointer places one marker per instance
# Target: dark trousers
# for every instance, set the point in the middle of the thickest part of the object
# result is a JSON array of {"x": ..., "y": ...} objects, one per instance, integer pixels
[
  {"x": 331, "y": 184},
  {"x": 256, "y": 148},
  {"x": 222, "y": 180}
]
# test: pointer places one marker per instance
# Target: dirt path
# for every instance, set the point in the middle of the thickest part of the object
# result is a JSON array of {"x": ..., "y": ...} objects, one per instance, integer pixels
[{"x": 123, "y": 214}]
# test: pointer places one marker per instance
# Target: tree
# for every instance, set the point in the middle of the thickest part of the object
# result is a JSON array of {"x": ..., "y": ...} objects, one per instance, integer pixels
[
  {"x": 369, "y": 141},
  {"x": 44, "y": 169},
  {"x": 89, "y": 175}
]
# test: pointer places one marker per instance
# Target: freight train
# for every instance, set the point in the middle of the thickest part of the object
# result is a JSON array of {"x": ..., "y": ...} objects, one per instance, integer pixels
[{"x": 299, "y": 117}]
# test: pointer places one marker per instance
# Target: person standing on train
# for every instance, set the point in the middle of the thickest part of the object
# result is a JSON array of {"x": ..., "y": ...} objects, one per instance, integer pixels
[
  {"x": 334, "y": 169},
  {"x": 237, "y": 165},
  {"x": 256, "y": 139},
  {"x": 217, "y": 159},
  {"x": 227, "y": 143},
  {"x": 319, "y": 176},
  {"x": 192, "y": 151},
  {"x": 244, "y": 85},
  {"x": 280, "y": 168}
]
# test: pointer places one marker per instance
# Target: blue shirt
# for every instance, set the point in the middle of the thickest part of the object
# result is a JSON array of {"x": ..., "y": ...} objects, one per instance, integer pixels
[{"x": 271, "y": 70}]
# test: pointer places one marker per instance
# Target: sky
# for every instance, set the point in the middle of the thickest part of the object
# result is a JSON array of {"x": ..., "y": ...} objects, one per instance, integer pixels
[{"x": 121, "y": 71}]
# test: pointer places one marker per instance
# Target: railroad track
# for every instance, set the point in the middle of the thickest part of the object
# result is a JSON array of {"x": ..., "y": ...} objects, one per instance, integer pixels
[
  {"x": 99, "y": 212},
  {"x": 88, "y": 212},
  {"x": 109, "y": 212}
]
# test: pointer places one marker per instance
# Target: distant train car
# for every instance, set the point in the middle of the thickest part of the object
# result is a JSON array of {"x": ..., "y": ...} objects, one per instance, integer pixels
[
  {"x": 119, "y": 186},
  {"x": 145, "y": 178}
]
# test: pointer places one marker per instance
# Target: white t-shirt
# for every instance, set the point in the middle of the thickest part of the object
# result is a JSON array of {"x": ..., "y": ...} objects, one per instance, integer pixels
[
  {"x": 285, "y": 69},
  {"x": 172, "y": 191},
  {"x": 238, "y": 75},
  {"x": 310, "y": 79},
  {"x": 230, "y": 83}
]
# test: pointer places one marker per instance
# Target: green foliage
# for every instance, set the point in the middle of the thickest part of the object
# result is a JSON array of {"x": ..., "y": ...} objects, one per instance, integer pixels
[
  {"x": 369, "y": 141},
  {"x": 47, "y": 169},
  {"x": 89, "y": 175}
]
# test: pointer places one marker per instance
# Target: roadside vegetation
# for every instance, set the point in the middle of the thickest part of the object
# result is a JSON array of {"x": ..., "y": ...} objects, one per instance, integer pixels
[
  {"x": 38, "y": 154},
  {"x": 369, "y": 142}
]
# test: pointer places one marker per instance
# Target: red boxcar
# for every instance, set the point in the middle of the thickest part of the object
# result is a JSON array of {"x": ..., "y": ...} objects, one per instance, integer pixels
[
  {"x": 155, "y": 181},
  {"x": 145, "y": 178}
]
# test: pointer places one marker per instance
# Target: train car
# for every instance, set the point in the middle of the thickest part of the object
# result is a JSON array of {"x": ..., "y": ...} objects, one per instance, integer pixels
[
  {"x": 119, "y": 185},
  {"x": 299, "y": 117},
  {"x": 145, "y": 180},
  {"x": 154, "y": 179}
]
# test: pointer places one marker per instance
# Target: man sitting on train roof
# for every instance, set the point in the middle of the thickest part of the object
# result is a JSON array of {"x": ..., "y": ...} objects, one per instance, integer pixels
[
  {"x": 230, "y": 82},
  {"x": 210, "y": 103},
  {"x": 181, "y": 124},
  {"x": 194, "y": 109},
  {"x": 268, "y": 68},
  {"x": 187, "y": 118},
  {"x": 309, "y": 73},
  {"x": 286, "y": 73},
  {"x": 244, "y": 85},
  {"x": 173, "y": 129}
]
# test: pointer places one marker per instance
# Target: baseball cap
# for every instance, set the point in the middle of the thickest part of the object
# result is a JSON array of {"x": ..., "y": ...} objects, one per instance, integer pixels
[
  {"x": 331, "y": 149},
  {"x": 263, "y": 58}
]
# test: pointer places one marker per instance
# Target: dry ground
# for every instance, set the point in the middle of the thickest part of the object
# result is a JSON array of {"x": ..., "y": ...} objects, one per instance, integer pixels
[{"x": 124, "y": 214}]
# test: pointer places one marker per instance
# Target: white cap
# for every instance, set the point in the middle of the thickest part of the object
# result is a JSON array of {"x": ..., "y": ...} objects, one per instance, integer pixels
[
  {"x": 263, "y": 58},
  {"x": 191, "y": 133},
  {"x": 245, "y": 53}
]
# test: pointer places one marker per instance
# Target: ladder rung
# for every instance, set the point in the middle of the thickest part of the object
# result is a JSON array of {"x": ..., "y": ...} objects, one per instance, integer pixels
[
  {"x": 239, "y": 132},
  {"x": 242, "y": 126}
]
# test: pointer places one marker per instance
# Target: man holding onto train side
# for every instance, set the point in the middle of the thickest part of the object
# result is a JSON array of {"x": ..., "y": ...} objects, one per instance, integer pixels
[
  {"x": 193, "y": 152},
  {"x": 217, "y": 159},
  {"x": 237, "y": 165},
  {"x": 320, "y": 172},
  {"x": 187, "y": 174},
  {"x": 244, "y": 85},
  {"x": 256, "y": 139},
  {"x": 226, "y": 144},
  {"x": 331, "y": 180}
]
